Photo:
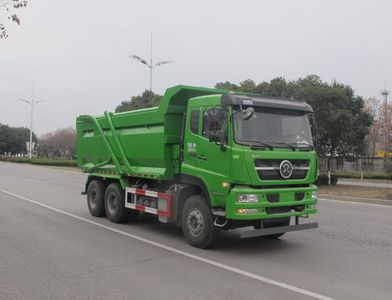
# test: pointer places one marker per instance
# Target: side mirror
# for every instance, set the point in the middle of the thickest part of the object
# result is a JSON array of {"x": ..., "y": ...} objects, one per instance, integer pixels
[
  {"x": 213, "y": 137},
  {"x": 248, "y": 113},
  {"x": 313, "y": 125}
]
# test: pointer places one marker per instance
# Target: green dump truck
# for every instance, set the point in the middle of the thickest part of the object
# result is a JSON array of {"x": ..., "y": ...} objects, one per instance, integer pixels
[{"x": 206, "y": 160}]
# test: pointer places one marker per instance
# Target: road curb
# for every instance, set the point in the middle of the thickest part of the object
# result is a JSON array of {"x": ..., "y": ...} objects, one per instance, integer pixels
[{"x": 356, "y": 199}]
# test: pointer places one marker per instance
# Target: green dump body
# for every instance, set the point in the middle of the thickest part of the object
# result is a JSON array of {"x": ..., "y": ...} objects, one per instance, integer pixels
[{"x": 143, "y": 143}]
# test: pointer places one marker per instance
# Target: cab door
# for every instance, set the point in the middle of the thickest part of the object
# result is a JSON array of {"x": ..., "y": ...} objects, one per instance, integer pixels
[{"x": 207, "y": 150}]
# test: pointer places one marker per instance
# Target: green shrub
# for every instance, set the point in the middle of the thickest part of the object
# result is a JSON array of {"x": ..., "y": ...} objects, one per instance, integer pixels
[
  {"x": 323, "y": 179},
  {"x": 41, "y": 161}
]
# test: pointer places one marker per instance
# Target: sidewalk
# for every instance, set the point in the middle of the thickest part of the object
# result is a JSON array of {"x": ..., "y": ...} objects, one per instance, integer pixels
[
  {"x": 366, "y": 182},
  {"x": 355, "y": 199},
  {"x": 355, "y": 190}
]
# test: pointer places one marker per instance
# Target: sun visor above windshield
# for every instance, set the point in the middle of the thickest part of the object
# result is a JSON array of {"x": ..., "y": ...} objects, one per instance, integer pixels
[{"x": 270, "y": 102}]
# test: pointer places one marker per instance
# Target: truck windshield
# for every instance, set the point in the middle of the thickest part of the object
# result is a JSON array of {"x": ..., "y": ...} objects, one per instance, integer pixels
[{"x": 273, "y": 127}]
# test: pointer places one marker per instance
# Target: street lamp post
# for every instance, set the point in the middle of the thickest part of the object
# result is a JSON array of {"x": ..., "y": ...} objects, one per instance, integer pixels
[
  {"x": 150, "y": 65},
  {"x": 31, "y": 103}
]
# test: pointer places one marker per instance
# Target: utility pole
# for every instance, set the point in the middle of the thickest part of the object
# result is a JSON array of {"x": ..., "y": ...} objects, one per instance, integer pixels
[
  {"x": 151, "y": 64},
  {"x": 385, "y": 94},
  {"x": 31, "y": 103}
]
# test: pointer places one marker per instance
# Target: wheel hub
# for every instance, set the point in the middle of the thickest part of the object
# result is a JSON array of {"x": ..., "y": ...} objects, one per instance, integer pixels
[
  {"x": 93, "y": 199},
  {"x": 195, "y": 222},
  {"x": 112, "y": 203}
]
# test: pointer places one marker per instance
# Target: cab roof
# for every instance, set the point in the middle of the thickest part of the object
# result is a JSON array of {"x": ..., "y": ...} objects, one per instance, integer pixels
[{"x": 267, "y": 102}]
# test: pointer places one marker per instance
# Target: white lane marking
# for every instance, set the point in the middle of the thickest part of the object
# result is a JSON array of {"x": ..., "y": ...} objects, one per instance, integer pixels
[
  {"x": 356, "y": 202},
  {"x": 183, "y": 253}
]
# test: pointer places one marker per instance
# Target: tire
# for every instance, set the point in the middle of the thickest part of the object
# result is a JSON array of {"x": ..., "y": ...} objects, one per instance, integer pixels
[
  {"x": 197, "y": 223},
  {"x": 95, "y": 198},
  {"x": 276, "y": 223},
  {"x": 115, "y": 205}
]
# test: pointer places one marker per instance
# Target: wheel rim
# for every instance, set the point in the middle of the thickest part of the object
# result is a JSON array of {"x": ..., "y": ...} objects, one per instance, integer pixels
[
  {"x": 112, "y": 203},
  {"x": 195, "y": 222},
  {"x": 93, "y": 199}
]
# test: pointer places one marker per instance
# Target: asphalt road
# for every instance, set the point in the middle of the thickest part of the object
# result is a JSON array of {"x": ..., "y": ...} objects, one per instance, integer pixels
[{"x": 51, "y": 248}]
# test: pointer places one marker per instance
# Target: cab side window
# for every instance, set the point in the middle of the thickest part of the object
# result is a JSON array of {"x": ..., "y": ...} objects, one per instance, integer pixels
[
  {"x": 215, "y": 123},
  {"x": 194, "y": 121}
]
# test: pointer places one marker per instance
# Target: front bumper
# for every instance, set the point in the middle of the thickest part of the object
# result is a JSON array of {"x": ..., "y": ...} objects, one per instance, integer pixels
[
  {"x": 265, "y": 209},
  {"x": 276, "y": 230}
]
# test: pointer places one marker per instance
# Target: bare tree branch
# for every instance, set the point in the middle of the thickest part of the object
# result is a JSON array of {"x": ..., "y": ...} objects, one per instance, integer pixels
[{"x": 8, "y": 6}]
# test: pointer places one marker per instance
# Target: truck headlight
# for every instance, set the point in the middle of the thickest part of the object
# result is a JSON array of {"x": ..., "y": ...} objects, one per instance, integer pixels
[
  {"x": 247, "y": 198},
  {"x": 314, "y": 195},
  {"x": 247, "y": 211}
]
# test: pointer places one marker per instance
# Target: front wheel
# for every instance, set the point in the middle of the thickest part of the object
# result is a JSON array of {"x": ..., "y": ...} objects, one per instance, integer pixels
[{"x": 197, "y": 222}]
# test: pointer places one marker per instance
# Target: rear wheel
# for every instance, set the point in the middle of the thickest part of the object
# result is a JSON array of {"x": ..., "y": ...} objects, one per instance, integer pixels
[
  {"x": 197, "y": 222},
  {"x": 115, "y": 204},
  {"x": 95, "y": 198},
  {"x": 276, "y": 223}
]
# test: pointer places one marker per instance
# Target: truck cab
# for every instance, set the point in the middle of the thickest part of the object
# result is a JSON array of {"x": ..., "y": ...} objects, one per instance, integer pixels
[{"x": 255, "y": 153}]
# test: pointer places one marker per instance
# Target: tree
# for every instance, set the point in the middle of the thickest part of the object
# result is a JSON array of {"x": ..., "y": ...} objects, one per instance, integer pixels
[
  {"x": 147, "y": 99},
  {"x": 4, "y": 138},
  {"x": 386, "y": 128},
  {"x": 248, "y": 86},
  {"x": 342, "y": 118},
  {"x": 380, "y": 133},
  {"x": 9, "y": 6},
  {"x": 343, "y": 122},
  {"x": 227, "y": 86},
  {"x": 13, "y": 139},
  {"x": 373, "y": 107},
  {"x": 60, "y": 144}
]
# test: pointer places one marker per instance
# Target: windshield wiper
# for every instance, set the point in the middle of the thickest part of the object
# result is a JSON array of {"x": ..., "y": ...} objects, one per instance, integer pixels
[
  {"x": 286, "y": 144},
  {"x": 306, "y": 144},
  {"x": 258, "y": 145}
]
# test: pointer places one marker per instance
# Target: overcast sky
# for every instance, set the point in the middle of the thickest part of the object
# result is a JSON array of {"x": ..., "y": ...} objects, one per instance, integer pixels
[{"x": 76, "y": 52}]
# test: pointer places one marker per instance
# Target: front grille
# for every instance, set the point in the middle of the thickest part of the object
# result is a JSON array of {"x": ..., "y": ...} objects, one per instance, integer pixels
[
  {"x": 273, "y": 197},
  {"x": 299, "y": 196},
  {"x": 268, "y": 169}
]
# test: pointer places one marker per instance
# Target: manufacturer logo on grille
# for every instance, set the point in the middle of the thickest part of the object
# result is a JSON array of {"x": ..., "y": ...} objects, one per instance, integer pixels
[{"x": 285, "y": 169}]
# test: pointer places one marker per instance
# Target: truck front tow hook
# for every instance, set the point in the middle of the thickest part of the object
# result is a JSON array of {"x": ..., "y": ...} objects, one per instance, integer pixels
[{"x": 217, "y": 224}]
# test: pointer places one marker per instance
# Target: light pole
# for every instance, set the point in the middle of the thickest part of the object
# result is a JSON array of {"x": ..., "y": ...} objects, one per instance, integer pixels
[
  {"x": 150, "y": 65},
  {"x": 31, "y": 103}
]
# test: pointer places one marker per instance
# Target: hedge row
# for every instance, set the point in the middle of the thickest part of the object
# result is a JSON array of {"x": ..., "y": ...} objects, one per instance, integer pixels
[
  {"x": 41, "y": 161},
  {"x": 323, "y": 179}
]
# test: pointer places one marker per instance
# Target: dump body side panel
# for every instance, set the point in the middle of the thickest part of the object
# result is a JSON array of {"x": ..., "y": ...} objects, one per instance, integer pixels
[
  {"x": 142, "y": 143},
  {"x": 140, "y": 136}
]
